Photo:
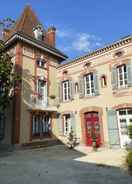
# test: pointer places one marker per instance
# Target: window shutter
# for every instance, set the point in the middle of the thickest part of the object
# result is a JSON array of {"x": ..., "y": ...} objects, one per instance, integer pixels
[
  {"x": 73, "y": 123},
  {"x": 81, "y": 86},
  {"x": 60, "y": 124},
  {"x": 46, "y": 94},
  {"x": 96, "y": 84},
  {"x": 113, "y": 131},
  {"x": 129, "y": 73},
  {"x": 60, "y": 91},
  {"x": 71, "y": 89},
  {"x": 114, "y": 78}
]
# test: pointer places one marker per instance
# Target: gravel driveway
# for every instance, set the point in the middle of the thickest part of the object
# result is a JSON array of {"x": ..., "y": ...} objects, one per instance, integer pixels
[{"x": 56, "y": 165}]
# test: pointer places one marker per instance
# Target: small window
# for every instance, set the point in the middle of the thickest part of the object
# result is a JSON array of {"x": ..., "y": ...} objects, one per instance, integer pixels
[
  {"x": 76, "y": 87},
  {"x": 103, "y": 81},
  {"x": 41, "y": 63}
]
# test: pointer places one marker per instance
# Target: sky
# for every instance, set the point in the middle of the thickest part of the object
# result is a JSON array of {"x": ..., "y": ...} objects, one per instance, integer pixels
[{"x": 82, "y": 25}]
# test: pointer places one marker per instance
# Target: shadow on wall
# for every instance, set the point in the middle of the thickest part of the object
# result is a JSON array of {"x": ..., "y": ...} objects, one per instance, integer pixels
[{"x": 27, "y": 83}]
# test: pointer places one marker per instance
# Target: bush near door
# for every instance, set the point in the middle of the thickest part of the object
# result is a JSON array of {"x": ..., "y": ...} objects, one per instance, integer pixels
[{"x": 129, "y": 161}]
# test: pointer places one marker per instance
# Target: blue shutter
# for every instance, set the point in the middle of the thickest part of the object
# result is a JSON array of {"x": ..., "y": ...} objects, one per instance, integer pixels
[
  {"x": 114, "y": 80},
  {"x": 96, "y": 84},
  {"x": 73, "y": 123},
  {"x": 81, "y": 86},
  {"x": 60, "y": 91},
  {"x": 71, "y": 89},
  {"x": 129, "y": 73},
  {"x": 113, "y": 130},
  {"x": 60, "y": 124}
]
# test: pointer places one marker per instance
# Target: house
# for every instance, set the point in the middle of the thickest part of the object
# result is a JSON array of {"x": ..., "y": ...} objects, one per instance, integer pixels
[{"x": 90, "y": 95}]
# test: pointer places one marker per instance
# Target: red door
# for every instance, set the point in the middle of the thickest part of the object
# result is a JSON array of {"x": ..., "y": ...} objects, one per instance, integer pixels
[{"x": 92, "y": 127}]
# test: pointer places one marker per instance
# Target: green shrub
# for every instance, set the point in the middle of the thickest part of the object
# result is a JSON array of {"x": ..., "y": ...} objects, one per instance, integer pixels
[
  {"x": 130, "y": 131},
  {"x": 129, "y": 160}
]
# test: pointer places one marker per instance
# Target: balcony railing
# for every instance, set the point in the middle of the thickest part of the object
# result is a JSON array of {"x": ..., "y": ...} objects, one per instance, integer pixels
[{"x": 39, "y": 102}]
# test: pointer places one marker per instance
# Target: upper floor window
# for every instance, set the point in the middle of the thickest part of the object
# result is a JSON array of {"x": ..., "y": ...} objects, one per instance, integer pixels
[
  {"x": 66, "y": 90},
  {"x": 89, "y": 84},
  {"x": 76, "y": 87},
  {"x": 103, "y": 81},
  {"x": 122, "y": 77},
  {"x": 41, "y": 63},
  {"x": 38, "y": 32}
]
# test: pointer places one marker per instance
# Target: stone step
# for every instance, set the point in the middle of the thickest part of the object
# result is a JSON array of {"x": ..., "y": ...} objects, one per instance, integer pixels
[{"x": 41, "y": 144}]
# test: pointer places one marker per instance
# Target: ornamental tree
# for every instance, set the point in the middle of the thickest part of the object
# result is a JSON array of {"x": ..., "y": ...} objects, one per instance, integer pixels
[{"x": 7, "y": 77}]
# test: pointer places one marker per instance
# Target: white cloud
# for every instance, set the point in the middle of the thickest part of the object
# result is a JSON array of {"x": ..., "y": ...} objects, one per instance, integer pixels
[
  {"x": 73, "y": 41},
  {"x": 82, "y": 43},
  {"x": 63, "y": 33}
]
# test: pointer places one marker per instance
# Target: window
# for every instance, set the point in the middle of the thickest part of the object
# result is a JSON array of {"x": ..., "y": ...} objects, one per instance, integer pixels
[
  {"x": 67, "y": 124},
  {"x": 122, "y": 76},
  {"x": 66, "y": 90},
  {"x": 76, "y": 87},
  {"x": 41, "y": 90},
  {"x": 38, "y": 32},
  {"x": 41, "y": 63},
  {"x": 41, "y": 124},
  {"x": 89, "y": 84},
  {"x": 103, "y": 81},
  {"x": 124, "y": 117}
]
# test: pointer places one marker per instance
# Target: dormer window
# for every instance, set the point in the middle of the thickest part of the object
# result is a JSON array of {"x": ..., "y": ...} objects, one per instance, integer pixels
[{"x": 38, "y": 32}]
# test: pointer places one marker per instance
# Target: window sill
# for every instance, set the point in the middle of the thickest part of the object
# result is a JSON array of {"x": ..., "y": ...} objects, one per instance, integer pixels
[{"x": 89, "y": 97}]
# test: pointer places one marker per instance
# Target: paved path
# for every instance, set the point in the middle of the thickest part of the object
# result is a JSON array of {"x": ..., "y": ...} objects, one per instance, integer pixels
[
  {"x": 56, "y": 165},
  {"x": 110, "y": 157}
]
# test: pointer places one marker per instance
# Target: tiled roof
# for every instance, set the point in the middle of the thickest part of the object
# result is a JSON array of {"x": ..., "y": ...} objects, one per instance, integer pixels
[
  {"x": 116, "y": 44},
  {"x": 24, "y": 28},
  {"x": 42, "y": 45},
  {"x": 27, "y": 21}
]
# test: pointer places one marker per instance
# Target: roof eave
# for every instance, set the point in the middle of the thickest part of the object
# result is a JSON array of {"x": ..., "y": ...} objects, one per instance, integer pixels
[{"x": 17, "y": 36}]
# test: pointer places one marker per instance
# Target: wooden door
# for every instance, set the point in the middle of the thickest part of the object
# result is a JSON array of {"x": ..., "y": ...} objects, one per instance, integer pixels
[{"x": 92, "y": 127}]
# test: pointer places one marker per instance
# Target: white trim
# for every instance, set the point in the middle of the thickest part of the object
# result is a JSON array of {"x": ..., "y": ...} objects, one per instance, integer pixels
[
  {"x": 122, "y": 74},
  {"x": 90, "y": 58},
  {"x": 87, "y": 80},
  {"x": 66, "y": 90}
]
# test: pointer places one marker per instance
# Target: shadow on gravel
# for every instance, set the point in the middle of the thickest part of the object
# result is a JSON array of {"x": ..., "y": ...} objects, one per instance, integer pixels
[{"x": 57, "y": 164}]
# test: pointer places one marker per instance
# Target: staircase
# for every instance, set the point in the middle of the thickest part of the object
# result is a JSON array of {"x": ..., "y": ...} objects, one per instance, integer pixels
[{"x": 41, "y": 144}]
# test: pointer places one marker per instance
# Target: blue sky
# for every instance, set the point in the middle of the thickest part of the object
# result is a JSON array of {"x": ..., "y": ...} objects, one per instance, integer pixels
[{"x": 83, "y": 25}]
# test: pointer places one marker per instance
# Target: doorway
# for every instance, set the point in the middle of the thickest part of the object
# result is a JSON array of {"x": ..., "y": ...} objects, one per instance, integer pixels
[{"x": 92, "y": 127}]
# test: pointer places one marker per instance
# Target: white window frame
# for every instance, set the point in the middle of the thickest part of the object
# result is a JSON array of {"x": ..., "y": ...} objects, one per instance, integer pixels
[
  {"x": 66, "y": 90},
  {"x": 90, "y": 83},
  {"x": 127, "y": 117},
  {"x": 41, "y": 91},
  {"x": 123, "y": 74}
]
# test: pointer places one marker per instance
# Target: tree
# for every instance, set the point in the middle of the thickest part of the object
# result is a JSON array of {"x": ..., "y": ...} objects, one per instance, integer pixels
[{"x": 7, "y": 77}]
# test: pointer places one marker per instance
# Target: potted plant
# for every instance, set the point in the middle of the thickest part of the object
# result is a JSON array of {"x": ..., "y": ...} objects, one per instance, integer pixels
[
  {"x": 94, "y": 140},
  {"x": 52, "y": 96}
]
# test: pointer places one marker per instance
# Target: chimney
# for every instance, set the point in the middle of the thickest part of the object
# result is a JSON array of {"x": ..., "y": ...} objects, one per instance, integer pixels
[{"x": 51, "y": 36}]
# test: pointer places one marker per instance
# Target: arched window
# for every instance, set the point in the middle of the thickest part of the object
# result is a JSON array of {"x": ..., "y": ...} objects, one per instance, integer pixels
[{"x": 103, "y": 81}]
